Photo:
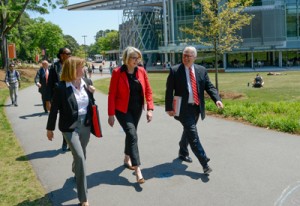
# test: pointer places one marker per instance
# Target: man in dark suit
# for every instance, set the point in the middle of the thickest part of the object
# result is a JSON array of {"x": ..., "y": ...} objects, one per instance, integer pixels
[
  {"x": 41, "y": 81},
  {"x": 188, "y": 81},
  {"x": 54, "y": 78}
]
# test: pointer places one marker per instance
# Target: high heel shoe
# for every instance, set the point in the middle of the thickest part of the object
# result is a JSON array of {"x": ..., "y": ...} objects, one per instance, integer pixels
[
  {"x": 140, "y": 181},
  {"x": 128, "y": 166}
]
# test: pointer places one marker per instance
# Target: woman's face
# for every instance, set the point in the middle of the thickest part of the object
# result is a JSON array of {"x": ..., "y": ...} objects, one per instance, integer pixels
[
  {"x": 133, "y": 60},
  {"x": 80, "y": 71}
]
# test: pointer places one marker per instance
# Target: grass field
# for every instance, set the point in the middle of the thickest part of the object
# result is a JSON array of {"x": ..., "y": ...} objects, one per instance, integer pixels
[
  {"x": 18, "y": 182},
  {"x": 275, "y": 106}
]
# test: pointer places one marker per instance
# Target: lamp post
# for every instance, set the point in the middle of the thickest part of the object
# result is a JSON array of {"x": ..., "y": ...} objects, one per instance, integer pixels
[{"x": 84, "y": 46}]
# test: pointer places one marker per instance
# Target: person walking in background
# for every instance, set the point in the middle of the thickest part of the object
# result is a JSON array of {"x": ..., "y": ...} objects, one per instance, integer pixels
[
  {"x": 12, "y": 80},
  {"x": 129, "y": 88},
  {"x": 89, "y": 70},
  {"x": 54, "y": 78},
  {"x": 41, "y": 81},
  {"x": 188, "y": 81},
  {"x": 73, "y": 101}
]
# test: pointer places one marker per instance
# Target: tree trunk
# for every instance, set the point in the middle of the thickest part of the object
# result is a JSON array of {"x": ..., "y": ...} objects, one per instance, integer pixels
[{"x": 4, "y": 53}]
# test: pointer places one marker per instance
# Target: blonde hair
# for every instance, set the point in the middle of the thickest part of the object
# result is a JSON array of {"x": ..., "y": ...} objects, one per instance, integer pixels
[
  {"x": 127, "y": 53},
  {"x": 69, "y": 68}
]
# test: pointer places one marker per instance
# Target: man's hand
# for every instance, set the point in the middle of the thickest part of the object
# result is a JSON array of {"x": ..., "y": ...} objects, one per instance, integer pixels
[
  {"x": 50, "y": 135},
  {"x": 219, "y": 104}
]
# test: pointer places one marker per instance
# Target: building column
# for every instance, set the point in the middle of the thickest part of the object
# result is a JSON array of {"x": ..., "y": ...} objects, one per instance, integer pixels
[
  {"x": 165, "y": 29},
  {"x": 280, "y": 59},
  {"x": 252, "y": 60}
]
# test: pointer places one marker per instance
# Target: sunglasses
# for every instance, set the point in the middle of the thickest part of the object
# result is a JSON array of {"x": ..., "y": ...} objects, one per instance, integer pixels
[{"x": 68, "y": 53}]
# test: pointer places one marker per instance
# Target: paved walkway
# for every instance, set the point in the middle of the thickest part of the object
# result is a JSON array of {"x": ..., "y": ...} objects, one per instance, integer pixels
[{"x": 251, "y": 166}]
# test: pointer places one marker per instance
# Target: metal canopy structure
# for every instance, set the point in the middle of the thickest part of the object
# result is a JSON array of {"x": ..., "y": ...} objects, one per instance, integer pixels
[{"x": 114, "y": 4}]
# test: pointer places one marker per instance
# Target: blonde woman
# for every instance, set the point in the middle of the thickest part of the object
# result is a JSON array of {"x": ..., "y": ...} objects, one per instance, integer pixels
[
  {"x": 129, "y": 91},
  {"x": 73, "y": 99}
]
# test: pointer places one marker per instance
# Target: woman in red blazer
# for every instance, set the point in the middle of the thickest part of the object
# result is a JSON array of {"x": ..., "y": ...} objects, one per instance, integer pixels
[{"x": 129, "y": 89}]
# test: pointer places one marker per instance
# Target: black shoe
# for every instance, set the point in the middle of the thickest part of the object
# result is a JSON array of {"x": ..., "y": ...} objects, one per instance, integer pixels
[
  {"x": 207, "y": 160},
  {"x": 207, "y": 170},
  {"x": 185, "y": 158}
]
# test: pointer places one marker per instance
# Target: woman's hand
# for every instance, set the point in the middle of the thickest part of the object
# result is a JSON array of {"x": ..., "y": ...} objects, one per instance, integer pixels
[
  {"x": 50, "y": 135},
  {"x": 149, "y": 115},
  {"x": 111, "y": 120}
]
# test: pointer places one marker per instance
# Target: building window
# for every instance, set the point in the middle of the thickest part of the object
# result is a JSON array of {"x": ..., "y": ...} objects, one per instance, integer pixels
[{"x": 291, "y": 22}]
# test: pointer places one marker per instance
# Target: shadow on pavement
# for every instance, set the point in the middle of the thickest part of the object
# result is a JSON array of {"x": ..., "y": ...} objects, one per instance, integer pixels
[
  {"x": 170, "y": 169},
  {"x": 39, "y": 155},
  {"x": 39, "y": 114}
]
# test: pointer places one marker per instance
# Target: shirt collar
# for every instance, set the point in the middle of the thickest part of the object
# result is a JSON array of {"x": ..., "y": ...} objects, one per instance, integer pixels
[{"x": 82, "y": 84}]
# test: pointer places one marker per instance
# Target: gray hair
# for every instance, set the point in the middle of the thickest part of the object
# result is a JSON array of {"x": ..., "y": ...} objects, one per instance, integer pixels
[{"x": 190, "y": 48}]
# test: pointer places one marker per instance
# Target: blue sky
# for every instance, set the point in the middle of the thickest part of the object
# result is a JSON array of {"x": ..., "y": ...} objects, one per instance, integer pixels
[{"x": 80, "y": 23}]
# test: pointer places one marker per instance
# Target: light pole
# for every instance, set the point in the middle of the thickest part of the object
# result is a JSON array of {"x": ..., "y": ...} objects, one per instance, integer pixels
[{"x": 84, "y": 46}]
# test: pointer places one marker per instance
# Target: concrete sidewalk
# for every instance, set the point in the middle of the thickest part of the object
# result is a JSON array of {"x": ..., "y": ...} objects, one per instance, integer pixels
[{"x": 251, "y": 166}]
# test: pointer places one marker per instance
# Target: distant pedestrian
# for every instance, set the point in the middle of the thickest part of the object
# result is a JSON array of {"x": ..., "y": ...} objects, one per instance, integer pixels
[
  {"x": 41, "y": 81},
  {"x": 12, "y": 80},
  {"x": 93, "y": 68},
  {"x": 100, "y": 69},
  {"x": 89, "y": 70}
]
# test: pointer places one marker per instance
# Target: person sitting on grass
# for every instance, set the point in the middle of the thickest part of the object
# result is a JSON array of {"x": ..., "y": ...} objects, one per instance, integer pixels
[{"x": 258, "y": 81}]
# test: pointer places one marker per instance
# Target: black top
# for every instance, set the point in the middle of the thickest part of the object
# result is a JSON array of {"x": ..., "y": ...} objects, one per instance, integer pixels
[{"x": 136, "y": 93}]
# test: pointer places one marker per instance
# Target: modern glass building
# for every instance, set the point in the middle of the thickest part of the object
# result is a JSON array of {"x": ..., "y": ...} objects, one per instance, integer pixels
[{"x": 271, "y": 40}]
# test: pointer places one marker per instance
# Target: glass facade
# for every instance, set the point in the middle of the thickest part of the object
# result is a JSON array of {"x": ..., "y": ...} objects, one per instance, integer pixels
[{"x": 272, "y": 38}]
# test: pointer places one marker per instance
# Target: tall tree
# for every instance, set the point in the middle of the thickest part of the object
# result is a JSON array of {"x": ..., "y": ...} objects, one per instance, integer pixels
[
  {"x": 218, "y": 25},
  {"x": 11, "y": 12},
  {"x": 109, "y": 42}
]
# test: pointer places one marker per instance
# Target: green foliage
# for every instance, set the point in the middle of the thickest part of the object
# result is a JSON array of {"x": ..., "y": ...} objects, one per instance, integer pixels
[
  {"x": 109, "y": 42},
  {"x": 275, "y": 106}
]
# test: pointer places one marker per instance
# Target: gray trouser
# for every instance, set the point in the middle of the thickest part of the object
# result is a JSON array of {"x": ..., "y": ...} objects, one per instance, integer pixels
[
  {"x": 77, "y": 142},
  {"x": 13, "y": 92}
]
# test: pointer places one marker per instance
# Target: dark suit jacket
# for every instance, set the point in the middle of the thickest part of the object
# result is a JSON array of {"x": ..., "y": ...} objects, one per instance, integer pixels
[
  {"x": 54, "y": 77},
  {"x": 177, "y": 86},
  {"x": 65, "y": 103},
  {"x": 40, "y": 77}
]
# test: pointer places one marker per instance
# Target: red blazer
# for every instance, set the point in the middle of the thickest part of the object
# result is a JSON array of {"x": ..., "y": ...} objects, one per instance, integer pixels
[{"x": 118, "y": 95}]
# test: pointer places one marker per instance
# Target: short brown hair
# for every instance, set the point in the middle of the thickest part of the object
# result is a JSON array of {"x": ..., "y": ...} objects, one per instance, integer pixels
[{"x": 69, "y": 68}]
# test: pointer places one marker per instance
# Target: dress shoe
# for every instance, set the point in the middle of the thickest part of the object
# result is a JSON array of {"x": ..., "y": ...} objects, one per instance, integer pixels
[
  {"x": 207, "y": 170},
  {"x": 185, "y": 158}
]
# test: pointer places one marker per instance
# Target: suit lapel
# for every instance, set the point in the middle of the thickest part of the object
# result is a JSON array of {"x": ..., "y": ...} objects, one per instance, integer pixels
[{"x": 182, "y": 74}]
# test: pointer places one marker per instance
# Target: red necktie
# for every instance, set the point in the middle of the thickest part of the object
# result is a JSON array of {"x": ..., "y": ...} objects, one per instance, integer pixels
[{"x": 194, "y": 87}]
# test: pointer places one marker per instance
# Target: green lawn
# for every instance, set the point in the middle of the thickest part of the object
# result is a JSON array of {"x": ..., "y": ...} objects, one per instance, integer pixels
[
  {"x": 18, "y": 182},
  {"x": 275, "y": 106}
]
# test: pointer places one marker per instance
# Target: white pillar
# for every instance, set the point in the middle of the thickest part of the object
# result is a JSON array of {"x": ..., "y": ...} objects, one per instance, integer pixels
[
  {"x": 165, "y": 28},
  {"x": 280, "y": 58}
]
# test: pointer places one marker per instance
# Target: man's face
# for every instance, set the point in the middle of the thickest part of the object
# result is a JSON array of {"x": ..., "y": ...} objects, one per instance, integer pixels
[
  {"x": 11, "y": 68},
  {"x": 188, "y": 58},
  {"x": 66, "y": 54}
]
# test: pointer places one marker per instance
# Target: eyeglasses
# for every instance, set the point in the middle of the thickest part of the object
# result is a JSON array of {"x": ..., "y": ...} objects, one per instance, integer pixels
[
  {"x": 135, "y": 58},
  {"x": 187, "y": 56}
]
